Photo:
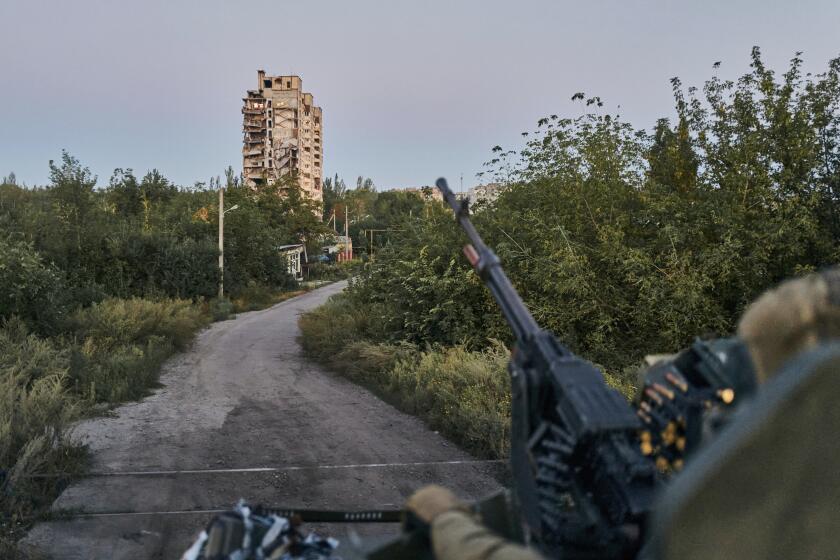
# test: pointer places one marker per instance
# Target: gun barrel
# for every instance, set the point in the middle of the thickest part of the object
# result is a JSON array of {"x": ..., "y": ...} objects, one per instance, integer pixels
[{"x": 489, "y": 268}]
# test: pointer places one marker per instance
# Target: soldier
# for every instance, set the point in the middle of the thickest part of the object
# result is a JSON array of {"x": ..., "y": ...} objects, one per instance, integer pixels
[{"x": 788, "y": 321}]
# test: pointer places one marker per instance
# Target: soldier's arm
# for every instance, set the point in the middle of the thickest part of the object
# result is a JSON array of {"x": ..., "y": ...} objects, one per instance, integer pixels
[{"x": 456, "y": 534}]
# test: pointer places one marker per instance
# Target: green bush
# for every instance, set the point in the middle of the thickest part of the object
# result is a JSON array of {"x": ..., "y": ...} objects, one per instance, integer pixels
[
  {"x": 624, "y": 242},
  {"x": 110, "y": 352},
  {"x": 254, "y": 296},
  {"x": 35, "y": 410},
  {"x": 31, "y": 289},
  {"x": 141, "y": 263},
  {"x": 328, "y": 271},
  {"x": 463, "y": 393},
  {"x": 332, "y": 327},
  {"x": 120, "y": 344},
  {"x": 220, "y": 309}
]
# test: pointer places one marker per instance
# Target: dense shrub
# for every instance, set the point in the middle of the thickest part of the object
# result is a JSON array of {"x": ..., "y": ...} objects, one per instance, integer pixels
[
  {"x": 463, "y": 393},
  {"x": 120, "y": 344},
  {"x": 110, "y": 352},
  {"x": 625, "y": 242},
  {"x": 220, "y": 309},
  {"x": 622, "y": 242},
  {"x": 35, "y": 410},
  {"x": 347, "y": 316},
  {"x": 148, "y": 238},
  {"x": 155, "y": 264},
  {"x": 31, "y": 289},
  {"x": 324, "y": 271}
]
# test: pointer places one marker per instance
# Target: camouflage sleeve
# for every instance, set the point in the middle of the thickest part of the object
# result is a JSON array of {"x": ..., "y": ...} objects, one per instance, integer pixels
[
  {"x": 457, "y": 536},
  {"x": 796, "y": 316}
]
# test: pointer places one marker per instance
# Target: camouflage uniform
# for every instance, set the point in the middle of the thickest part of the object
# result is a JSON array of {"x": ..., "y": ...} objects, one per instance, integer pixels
[
  {"x": 790, "y": 319},
  {"x": 457, "y": 534}
]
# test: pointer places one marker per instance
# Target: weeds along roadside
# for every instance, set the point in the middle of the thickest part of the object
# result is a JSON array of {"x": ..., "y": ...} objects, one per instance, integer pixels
[
  {"x": 255, "y": 297},
  {"x": 105, "y": 354},
  {"x": 464, "y": 394}
]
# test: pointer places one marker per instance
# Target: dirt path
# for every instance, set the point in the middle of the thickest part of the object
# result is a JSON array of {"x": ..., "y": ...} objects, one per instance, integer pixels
[{"x": 245, "y": 397}]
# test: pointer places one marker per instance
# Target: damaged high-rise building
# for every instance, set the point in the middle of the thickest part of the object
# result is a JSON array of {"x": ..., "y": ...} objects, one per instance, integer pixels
[{"x": 282, "y": 129}]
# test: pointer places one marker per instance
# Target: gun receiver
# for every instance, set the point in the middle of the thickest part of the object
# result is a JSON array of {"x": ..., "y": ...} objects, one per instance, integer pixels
[{"x": 583, "y": 486}]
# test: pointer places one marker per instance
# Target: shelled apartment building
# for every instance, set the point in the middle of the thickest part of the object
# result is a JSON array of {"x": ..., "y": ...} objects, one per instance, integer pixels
[{"x": 282, "y": 134}]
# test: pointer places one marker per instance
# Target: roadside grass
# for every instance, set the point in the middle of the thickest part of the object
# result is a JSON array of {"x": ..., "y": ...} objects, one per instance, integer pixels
[
  {"x": 118, "y": 345},
  {"x": 333, "y": 271},
  {"x": 36, "y": 407},
  {"x": 463, "y": 394},
  {"x": 107, "y": 353},
  {"x": 255, "y": 298}
]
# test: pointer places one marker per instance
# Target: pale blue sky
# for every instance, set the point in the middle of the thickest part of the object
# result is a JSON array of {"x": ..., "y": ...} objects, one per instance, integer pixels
[{"x": 410, "y": 89}]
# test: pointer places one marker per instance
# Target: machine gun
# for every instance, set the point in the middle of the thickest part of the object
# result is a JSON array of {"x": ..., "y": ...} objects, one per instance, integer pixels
[{"x": 582, "y": 483}]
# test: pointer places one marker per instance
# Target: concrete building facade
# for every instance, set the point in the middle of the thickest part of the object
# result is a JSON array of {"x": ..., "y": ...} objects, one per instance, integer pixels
[
  {"x": 282, "y": 134},
  {"x": 430, "y": 191},
  {"x": 484, "y": 193}
]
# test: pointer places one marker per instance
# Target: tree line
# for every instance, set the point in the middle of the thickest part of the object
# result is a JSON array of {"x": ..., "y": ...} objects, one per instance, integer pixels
[
  {"x": 627, "y": 241},
  {"x": 70, "y": 243}
]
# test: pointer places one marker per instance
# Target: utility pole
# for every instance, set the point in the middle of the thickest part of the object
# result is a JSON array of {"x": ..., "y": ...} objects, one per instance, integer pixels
[
  {"x": 372, "y": 232},
  {"x": 222, "y": 213},
  {"x": 346, "y": 234},
  {"x": 221, "y": 242}
]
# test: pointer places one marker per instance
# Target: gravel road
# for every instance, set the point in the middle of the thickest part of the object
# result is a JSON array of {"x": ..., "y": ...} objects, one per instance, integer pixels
[{"x": 245, "y": 397}]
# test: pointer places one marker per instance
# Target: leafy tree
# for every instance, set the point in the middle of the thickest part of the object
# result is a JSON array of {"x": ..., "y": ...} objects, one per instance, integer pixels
[
  {"x": 363, "y": 183},
  {"x": 124, "y": 193},
  {"x": 334, "y": 191},
  {"x": 72, "y": 193},
  {"x": 32, "y": 289},
  {"x": 626, "y": 242}
]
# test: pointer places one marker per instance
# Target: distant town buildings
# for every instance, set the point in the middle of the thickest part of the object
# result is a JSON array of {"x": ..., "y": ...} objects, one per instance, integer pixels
[
  {"x": 429, "y": 191},
  {"x": 339, "y": 249},
  {"x": 282, "y": 134},
  {"x": 483, "y": 193},
  {"x": 480, "y": 193}
]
